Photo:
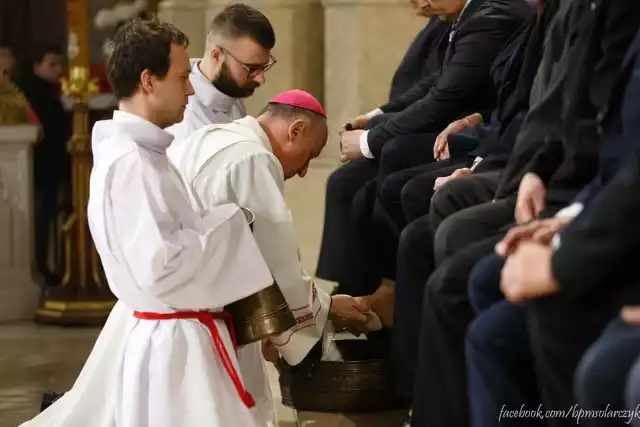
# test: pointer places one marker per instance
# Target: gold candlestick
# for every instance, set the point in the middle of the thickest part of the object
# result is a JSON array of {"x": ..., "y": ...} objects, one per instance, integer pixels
[{"x": 83, "y": 297}]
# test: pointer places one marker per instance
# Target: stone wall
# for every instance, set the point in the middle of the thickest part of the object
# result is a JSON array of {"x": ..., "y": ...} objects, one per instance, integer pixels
[{"x": 342, "y": 51}]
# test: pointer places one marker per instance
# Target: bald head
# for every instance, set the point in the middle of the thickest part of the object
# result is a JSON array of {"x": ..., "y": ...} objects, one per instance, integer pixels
[{"x": 297, "y": 136}]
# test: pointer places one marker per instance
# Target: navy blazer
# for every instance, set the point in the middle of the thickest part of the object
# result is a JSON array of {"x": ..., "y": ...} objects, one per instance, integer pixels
[
  {"x": 559, "y": 139},
  {"x": 599, "y": 248}
]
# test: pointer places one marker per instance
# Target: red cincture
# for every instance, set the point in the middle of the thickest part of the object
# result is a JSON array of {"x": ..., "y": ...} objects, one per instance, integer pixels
[{"x": 207, "y": 319}]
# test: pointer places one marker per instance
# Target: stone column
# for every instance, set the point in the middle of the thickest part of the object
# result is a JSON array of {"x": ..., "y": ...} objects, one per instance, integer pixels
[
  {"x": 299, "y": 41},
  {"x": 18, "y": 291},
  {"x": 365, "y": 41},
  {"x": 191, "y": 17}
]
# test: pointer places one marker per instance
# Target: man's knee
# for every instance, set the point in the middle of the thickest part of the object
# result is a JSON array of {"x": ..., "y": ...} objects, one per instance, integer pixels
[
  {"x": 632, "y": 395},
  {"x": 414, "y": 238},
  {"x": 415, "y": 199},
  {"x": 484, "y": 282},
  {"x": 345, "y": 181},
  {"x": 390, "y": 189},
  {"x": 480, "y": 335},
  {"x": 444, "y": 202},
  {"x": 451, "y": 235},
  {"x": 604, "y": 367}
]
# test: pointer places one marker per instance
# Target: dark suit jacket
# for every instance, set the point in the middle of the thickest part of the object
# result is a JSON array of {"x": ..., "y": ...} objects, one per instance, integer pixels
[
  {"x": 419, "y": 64},
  {"x": 50, "y": 157},
  {"x": 464, "y": 84},
  {"x": 424, "y": 57},
  {"x": 559, "y": 139},
  {"x": 600, "y": 246},
  {"x": 483, "y": 137},
  {"x": 514, "y": 90}
]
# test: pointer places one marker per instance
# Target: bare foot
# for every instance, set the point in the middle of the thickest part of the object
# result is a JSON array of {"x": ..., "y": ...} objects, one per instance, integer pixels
[{"x": 382, "y": 302}]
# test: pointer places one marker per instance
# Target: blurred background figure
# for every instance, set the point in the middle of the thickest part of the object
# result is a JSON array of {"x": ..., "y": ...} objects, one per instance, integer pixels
[{"x": 51, "y": 163}]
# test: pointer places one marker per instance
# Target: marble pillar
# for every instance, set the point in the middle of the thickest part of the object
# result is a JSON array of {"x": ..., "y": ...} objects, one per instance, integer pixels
[
  {"x": 189, "y": 16},
  {"x": 365, "y": 41},
  {"x": 299, "y": 46},
  {"x": 18, "y": 291}
]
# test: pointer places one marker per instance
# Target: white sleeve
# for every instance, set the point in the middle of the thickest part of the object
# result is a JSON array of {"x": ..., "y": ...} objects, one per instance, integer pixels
[
  {"x": 206, "y": 262},
  {"x": 364, "y": 145},
  {"x": 376, "y": 112},
  {"x": 256, "y": 182}
]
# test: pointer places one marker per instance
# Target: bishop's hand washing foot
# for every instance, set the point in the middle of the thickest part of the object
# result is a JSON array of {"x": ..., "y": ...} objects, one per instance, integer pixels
[{"x": 382, "y": 302}]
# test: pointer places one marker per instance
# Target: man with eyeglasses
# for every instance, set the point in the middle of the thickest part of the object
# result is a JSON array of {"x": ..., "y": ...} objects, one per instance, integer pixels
[{"x": 236, "y": 58}]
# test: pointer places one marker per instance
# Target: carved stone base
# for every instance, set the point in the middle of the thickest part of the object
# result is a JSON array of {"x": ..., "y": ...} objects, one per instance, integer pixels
[
  {"x": 67, "y": 307},
  {"x": 18, "y": 291}
]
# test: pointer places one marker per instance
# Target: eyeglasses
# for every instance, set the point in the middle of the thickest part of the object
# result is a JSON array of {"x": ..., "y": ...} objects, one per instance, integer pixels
[{"x": 252, "y": 70}]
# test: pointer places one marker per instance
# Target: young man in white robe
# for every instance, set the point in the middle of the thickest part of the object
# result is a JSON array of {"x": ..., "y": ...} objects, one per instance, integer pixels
[
  {"x": 247, "y": 162},
  {"x": 165, "y": 357},
  {"x": 236, "y": 57}
]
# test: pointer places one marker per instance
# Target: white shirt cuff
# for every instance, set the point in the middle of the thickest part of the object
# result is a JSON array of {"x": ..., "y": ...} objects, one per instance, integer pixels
[
  {"x": 476, "y": 162},
  {"x": 371, "y": 114},
  {"x": 570, "y": 211},
  {"x": 364, "y": 145}
]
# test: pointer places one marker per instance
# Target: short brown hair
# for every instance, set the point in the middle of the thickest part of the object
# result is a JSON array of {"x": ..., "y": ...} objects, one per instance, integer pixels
[
  {"x": 239, "y": 20},
  {"x": 140, "y": 45}
]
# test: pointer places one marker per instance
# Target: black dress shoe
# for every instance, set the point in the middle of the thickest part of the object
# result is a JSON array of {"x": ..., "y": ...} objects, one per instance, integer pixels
[{"x": 48, "y": 398}]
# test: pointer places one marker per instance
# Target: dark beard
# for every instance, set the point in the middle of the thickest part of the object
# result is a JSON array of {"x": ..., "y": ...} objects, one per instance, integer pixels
[{"x": 225, "y": 84}]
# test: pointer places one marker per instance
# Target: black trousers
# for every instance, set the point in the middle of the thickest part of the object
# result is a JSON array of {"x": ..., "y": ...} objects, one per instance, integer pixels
[
  {"x": 562, "y": 328},
  {"x": 440, "y": 392},
  {"x": 467, "y": 201},
  {"x": 416, "y": 263},
  {"x": 341, "y": 257},
  {"x": 498, "y": 354},
  {"x": 379, "y": 215},
  {"x": 603, "y": 375},
  {"x": 406, "y": 195}
]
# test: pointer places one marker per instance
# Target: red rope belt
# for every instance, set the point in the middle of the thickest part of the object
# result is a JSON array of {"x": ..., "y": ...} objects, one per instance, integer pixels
[{"x": 207, "y": 319}]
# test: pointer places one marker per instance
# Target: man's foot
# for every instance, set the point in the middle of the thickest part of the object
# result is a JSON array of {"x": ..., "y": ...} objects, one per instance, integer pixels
[{"x": 382, "y": 302}]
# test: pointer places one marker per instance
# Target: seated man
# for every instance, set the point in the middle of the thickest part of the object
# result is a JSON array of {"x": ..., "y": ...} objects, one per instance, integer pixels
[
  {"x": 420, "y": 62},
  {"x": 513, "y": 73},
  {"x": 463, "y": 86},
  {"x": 578, "y": 284},
  {"x": 566, "y": 165},
  {"x": 246, "y": 163},
  {"x": 377, "y": 211}
]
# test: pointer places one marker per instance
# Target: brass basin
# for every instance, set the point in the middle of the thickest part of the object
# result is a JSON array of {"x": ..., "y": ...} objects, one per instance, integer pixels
[
  {"x": 358, "y": 384},
  {"x": 261, "y": 315}
]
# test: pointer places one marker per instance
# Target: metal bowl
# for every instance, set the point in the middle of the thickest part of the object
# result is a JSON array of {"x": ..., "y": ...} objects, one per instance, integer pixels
[
  {"x": 261, "y": 315},
  {"x": 359, "y": 384}
]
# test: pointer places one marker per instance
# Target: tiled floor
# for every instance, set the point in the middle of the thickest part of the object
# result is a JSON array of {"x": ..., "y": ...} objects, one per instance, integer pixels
[{"x": 34, "y": 359}]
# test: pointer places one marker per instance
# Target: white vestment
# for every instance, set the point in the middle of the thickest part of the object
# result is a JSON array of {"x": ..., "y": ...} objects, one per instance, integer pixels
[
  {"x": 159, "y": 255},
  {"x": 206, "y": 106},
  {"x": 233, "y": 163}
]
